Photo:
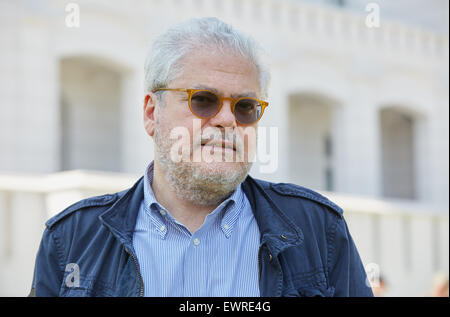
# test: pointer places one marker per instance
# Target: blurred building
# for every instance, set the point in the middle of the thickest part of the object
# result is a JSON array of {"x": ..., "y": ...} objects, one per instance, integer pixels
[{"x": 361, "y": 106}]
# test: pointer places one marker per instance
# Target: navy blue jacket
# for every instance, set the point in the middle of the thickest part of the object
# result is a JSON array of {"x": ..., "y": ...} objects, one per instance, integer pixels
[{"x": 306, "y": 248}]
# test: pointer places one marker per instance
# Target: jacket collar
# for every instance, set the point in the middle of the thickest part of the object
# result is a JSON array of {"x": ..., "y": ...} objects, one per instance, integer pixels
[
  {"x": 121, "y": 217},
  {"x": 276, "y": 229}
]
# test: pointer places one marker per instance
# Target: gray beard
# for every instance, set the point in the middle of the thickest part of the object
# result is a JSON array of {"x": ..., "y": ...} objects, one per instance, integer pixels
[{"x": 191, "y": 181}]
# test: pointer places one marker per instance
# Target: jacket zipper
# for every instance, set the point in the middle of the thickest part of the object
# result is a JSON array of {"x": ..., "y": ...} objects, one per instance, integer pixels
[{"x": 141, "y": 291}]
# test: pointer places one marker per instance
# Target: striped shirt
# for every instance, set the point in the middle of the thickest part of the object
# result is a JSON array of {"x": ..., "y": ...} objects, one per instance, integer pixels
[{"x": 219, "y": 259}]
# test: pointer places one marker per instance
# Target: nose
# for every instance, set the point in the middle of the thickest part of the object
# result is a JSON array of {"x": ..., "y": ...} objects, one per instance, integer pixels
[{"x": 225, "y": 118}]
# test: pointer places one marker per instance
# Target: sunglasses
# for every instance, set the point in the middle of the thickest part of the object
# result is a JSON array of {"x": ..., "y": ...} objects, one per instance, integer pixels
[{"x": 206, "y": 104}]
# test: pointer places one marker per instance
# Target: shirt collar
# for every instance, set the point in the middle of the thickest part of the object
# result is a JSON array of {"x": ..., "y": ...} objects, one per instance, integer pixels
[{"x": 227, "y": 212}]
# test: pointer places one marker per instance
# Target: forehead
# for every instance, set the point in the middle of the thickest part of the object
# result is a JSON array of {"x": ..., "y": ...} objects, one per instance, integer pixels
[{"x": 229, "y": 73}]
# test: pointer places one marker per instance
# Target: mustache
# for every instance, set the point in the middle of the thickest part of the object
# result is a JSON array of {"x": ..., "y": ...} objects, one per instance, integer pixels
[{"x": 216, "y": 137}]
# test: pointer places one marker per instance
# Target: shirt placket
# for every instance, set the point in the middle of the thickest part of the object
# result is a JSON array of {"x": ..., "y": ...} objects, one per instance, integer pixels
[{"x": 197, "y": 258}]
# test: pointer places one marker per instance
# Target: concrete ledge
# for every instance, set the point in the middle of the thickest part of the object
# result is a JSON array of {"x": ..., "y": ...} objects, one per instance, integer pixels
[{"x": 63, "y": 181}]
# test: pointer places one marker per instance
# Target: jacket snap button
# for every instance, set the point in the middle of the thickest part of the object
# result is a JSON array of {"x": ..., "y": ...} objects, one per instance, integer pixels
[
  {"x": 270, "y": 257},
  {"x": 283, "y": 237}
]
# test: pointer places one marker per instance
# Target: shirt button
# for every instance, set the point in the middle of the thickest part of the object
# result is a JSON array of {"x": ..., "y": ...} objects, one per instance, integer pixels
[
  {"x": 196, "y": 242},
  {"x": 163, "y": 228},
  {"x": 226, "y": 227},
  {"x": 162, "y": 212}
]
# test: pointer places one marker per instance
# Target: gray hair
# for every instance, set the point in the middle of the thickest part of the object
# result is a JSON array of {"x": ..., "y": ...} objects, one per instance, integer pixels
[{"x": 162, "y": 63}]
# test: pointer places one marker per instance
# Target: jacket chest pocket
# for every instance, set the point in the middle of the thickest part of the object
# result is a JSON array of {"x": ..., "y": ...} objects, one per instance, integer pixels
[
  {"x": 316, "y": 291},
  {"x": 309, "y": 285},
  {"x": 83, "y": 286}
]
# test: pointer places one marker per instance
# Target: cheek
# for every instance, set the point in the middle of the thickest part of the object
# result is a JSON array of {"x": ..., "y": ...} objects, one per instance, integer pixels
[
  {"x": 185, "y": 132},
  {"x": 249, "y": 137}
]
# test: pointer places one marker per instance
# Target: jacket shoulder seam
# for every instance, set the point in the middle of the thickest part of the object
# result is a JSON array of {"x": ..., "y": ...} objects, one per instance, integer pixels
[
  {"x": 96, "y": 201},
  {"x": 58, "y": 249},
  {"x": 287, "y": 189},
  {"x": 331, "y": 237}
]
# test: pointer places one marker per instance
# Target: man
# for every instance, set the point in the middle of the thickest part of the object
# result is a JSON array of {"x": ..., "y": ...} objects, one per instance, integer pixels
[{"x": 196, "y": 224}]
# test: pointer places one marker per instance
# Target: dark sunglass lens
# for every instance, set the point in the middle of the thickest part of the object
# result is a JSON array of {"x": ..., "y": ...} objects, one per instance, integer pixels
[
  {"x": 204, "y": 103},
  {"x": 247, "y": 111}
]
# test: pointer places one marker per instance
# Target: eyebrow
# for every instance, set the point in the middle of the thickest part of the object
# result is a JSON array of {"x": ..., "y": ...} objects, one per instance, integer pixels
[{"x": 235, "y": 96}]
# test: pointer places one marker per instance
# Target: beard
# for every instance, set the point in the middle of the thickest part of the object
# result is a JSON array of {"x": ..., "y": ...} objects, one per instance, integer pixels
[{"x": 200, "y": 182}]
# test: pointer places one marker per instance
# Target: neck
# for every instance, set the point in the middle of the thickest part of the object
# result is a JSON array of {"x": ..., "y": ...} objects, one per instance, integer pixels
[{"x": 186, "y": 212}]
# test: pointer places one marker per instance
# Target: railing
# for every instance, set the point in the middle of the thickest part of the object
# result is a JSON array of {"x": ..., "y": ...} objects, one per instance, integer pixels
[
  {"x": 293, "y": 24},
  {"x": 405, "y": 241},
  {"x": 26, "y": 202}
]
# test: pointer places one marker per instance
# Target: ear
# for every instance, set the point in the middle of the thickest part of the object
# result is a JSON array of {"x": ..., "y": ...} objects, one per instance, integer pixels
[{"x": 149, "y": 113}]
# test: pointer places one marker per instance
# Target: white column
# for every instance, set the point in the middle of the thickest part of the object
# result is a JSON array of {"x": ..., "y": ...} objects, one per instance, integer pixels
[
  {"x": 36, "y": 105},
  {"x": 27, "y": 220},
  {"x": 137, "y": 145},
  {"x": 9, "y": 82},
  {"x": 437, "y": 172},
  {"x": 276, "y": 116},
  {"x": 356, "y": 147}
]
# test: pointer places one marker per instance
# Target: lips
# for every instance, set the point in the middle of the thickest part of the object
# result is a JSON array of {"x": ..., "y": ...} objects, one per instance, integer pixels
[{"x": 220, "y": 144}]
